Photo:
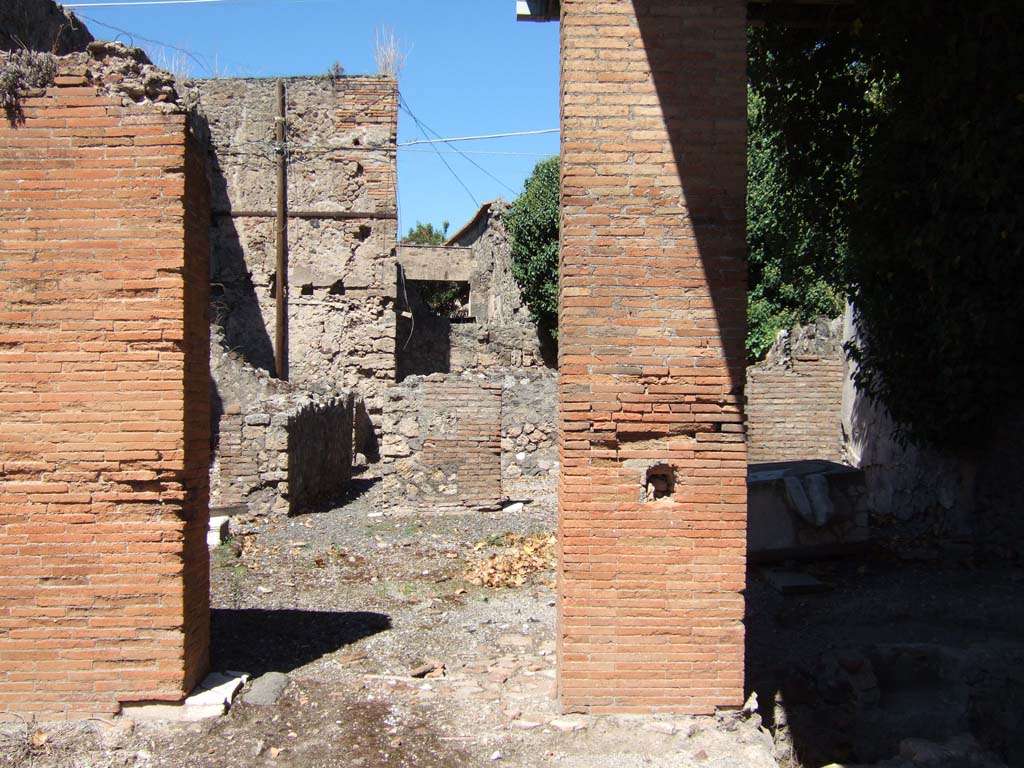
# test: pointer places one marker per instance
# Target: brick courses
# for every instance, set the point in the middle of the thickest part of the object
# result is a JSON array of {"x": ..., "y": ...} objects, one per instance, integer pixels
[
  {"x": 794, "y": 412},
  {"x": 442, "y": 442},
  {"x": 652, "y": 321},
  {"x": 104, "y": 404}
]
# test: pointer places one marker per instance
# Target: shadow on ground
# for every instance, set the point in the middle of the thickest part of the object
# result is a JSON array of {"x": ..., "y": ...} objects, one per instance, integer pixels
[
  {"x": 891, "y": 655},
  {"x": 357, "y": 487},
  {"x": 256, "y": 641}
]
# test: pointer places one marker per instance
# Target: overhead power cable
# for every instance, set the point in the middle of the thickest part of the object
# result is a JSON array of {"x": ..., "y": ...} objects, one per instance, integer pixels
[
  {"x": 138, "y": 2},
  {"x": 470, "y": 160},
  {"x": 405, "y": 105},
  {"x": 132, "y": 37},
  {"x": 478, "y": 152},
  {"x": 477, "y": 138}
]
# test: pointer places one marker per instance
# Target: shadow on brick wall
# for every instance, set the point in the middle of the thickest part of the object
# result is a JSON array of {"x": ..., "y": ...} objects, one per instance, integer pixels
[
  {"x": 696, "y": 88},
  {"x": 257, "y": 641}
]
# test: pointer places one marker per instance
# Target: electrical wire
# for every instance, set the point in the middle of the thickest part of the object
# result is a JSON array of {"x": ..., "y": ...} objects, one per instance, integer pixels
[
  {"x": 406, "y": 148},
  {"x": 138, "y": 2},
  {"x": 470, "y": 160},
  {"x": 132, "y": 36},
  {"x": 404, "y": 105},
  {"x": 478, "y": 138}
]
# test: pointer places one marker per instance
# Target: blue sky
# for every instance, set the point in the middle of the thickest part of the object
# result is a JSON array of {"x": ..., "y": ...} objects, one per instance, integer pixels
[{"x": 471, "y": 69}]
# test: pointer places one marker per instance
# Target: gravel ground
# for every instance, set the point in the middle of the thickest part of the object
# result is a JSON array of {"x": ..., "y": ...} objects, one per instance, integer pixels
[{"x": 350, "y": 603}]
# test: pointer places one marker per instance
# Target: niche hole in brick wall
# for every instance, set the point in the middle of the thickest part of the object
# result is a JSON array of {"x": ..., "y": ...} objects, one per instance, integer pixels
[
  {"x": 306, "y": 290},
  {"x": 337, "y": 288},
  {"x": 363, "y": 232},
  {"x": 359, "y": 170},
  {"x": 659, "y": 482},
  {"x": 356, "y": 142}
]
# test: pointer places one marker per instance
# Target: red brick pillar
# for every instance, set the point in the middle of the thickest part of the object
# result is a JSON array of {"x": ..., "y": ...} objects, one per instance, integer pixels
[
  {"x": 652, "y": 495},
  {"x": 104, "y": 404}
]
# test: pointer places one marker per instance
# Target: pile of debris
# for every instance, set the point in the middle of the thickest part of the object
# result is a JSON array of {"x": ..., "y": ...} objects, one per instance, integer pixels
[{"x": 521, "y": 558}]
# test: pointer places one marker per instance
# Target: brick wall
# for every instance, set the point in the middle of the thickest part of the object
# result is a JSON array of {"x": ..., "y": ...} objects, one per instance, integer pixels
[
  {"x": 442, "y": 442},
  {"x": 104, "y": 394},
  {"x": 795, "y": 397},
  {"x": 652, "y": 322}
]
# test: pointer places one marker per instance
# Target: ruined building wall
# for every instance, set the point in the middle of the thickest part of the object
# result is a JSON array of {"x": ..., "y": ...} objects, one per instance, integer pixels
[
  {"x": 529, "y": 421},
  {"x": 41, "y": 25},
  {"x": 104, "y": 392},
  {"x": 498, "y": 300},
  {"x": 277, "y": 448},
  {"x": 341, "y": 229},
  {"x": 442, "y": 442},
  {"x": 794, "y": 396},
  {"x": 652, "y": 491},
  {"x": 501, "y": 334}
]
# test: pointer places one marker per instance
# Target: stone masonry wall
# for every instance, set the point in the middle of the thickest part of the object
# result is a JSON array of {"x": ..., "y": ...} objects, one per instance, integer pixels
[
  {"x": 529, "y": 421},
  {"x": 794, "y": 397},
  {"x": 277, "y": 448},
  {"x": 502, "y": 333},
  {"x": 442, "y": 444},
  {"x": 652, "y": 493},
  {"x": 41, "y": 25},
  {"x": 341, "y": 230},
  {"x": 104, "y": 419}
]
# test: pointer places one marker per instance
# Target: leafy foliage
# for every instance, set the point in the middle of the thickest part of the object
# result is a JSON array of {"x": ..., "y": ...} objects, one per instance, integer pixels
[
  {"x": 887, "y": 159},
  {"x": 532, "y": 225},
  {"x": 443, "y": 298},
  {"x": 426, "y": 234},
  {"x": 937, "y": 227},
  {"x": 20, "y": 71},
  {"x": 811, "y": 100}
]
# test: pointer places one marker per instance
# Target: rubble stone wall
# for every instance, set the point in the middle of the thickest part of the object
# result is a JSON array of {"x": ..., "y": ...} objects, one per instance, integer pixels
[
  {"x": 920, "y": 493},
  {"x": 341, "y": 231},
  {"x": 794, "y": 396},
  {"x": 104, "y": 402},
  {"x": 442, "y": 442},
  {"x": 502, "y": 335},
  {"x": 652, "y": 491},
  {"x": 277, "y": 448},
  {"x": 41, "y": 25},
  {"x": 529, "y": 421}
]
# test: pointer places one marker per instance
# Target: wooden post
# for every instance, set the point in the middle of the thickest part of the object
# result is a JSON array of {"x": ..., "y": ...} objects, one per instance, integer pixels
[{"x": 281, "y": 286}]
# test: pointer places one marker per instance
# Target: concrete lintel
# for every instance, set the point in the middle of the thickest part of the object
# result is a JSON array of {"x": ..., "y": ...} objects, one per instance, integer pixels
[{"x": 436, "y": 262}]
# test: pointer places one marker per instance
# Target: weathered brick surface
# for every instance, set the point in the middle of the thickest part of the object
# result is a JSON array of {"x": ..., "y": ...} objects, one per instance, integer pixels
[
  {"x": 651, "y": 362},
  {"x": 795, "y": 396},
  {"x": 442, "y": 442},
  {"x": 104, "y": 391}
]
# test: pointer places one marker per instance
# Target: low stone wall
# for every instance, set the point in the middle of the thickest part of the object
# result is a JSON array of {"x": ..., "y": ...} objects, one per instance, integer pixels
[
  {"x": 276, "y": 449},
  {"x": 529, "y": 422},
  {"x": 442, "y": 442},
  {"x": 794, "y": 397}
]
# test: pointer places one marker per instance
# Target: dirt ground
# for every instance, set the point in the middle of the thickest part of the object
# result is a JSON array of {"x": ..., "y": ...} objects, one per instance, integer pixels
[{"x": 350, "y": 603}]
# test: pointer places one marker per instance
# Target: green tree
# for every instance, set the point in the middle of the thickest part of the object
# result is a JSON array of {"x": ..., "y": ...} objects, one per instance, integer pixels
[
  {"x": 811, "y": 101},
  {"x": 443, "y": 298},
  {"x": 426, "y": 234},
  {"x": 885, "y": 159},
  {"x": 532, "y": 225},
  {"x": 937, "y": 226}
]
